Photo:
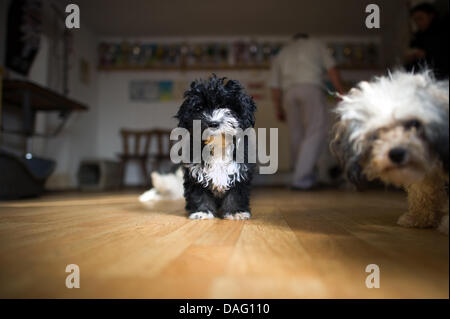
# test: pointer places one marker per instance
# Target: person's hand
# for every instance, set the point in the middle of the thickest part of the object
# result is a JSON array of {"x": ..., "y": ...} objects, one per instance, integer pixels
[{"x": 281, "y": 115}]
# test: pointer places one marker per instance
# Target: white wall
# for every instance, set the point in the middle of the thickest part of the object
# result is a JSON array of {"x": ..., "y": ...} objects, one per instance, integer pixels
[
  {"x": 78, "y": 139},
  {"x": 117, "y": 111}
]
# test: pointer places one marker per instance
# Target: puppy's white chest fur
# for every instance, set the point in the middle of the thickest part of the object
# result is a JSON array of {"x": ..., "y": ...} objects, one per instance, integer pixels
[
  {"x": 220, "y": 175},
  {"x": 219, "y": 170}
]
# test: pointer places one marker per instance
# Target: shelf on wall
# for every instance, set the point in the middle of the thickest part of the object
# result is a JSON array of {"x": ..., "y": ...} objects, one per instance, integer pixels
[
  {"x": 360, "y": 67},
  {"x": 217, "y": 67},
  {"x": 183, "y": 68}
]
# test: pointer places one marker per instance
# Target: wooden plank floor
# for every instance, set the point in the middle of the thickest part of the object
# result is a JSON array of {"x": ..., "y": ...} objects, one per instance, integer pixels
[{"x": 298, "y": 245}]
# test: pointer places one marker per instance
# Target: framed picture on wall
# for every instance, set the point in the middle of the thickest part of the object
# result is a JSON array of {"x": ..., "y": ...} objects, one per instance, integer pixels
[
  {"x": 144, "y": 91},
  {"x": 165, "y": 89}
]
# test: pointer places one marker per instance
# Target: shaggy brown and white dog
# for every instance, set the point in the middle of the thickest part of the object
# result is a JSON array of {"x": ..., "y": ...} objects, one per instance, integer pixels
[{"x": 396, "y": 129}]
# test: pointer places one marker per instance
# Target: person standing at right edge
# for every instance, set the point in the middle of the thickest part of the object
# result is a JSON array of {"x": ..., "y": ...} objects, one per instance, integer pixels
[{"x": 429, "y": 47}]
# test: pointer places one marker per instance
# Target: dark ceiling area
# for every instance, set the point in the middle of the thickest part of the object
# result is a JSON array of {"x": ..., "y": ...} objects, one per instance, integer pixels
[{"x": 178, "y": 18}]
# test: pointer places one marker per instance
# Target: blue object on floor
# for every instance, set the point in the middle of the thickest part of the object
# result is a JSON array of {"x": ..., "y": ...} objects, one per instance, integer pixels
[{"x": 23, "y": 176}]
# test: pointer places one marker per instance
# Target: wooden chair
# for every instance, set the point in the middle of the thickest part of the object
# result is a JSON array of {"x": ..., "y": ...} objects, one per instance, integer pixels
[
  {"x": 136, "y": 147},
  {"x": 162, "y": 153},
  {"x": 135, "y": 153}
]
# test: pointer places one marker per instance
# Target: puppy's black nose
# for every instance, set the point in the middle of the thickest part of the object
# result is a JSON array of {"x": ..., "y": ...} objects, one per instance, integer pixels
[
  {"x": 397, "y": 155},
  {"x": 214, "y": 124}
]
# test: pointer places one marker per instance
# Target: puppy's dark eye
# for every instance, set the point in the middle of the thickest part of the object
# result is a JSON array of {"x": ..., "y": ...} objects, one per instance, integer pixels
[{"x": 412, "y": 124}]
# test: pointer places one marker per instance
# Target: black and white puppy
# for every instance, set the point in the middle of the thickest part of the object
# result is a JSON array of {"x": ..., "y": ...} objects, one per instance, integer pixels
[{"x": 218, "y": 186}]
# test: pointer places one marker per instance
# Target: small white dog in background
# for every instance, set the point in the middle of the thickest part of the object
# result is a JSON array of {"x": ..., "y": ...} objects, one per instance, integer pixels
[
  {"x": 166, "y": 187},
  {"x": 396, "y": 129}
]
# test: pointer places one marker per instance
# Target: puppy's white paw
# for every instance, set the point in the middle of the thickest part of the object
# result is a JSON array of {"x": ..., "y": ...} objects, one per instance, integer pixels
[
  {"x": 237, "y": 216},
  {"x": 443, "y": 227},
  {"x": 201, "y": 215}
]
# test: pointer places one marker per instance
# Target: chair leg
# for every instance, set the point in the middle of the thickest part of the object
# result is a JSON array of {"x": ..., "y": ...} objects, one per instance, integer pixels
[
  {"x": 122, "y": 174},
  {"x": 156, "y": 165},
  {"x": 155, "y": 168},
  {"x": 145, "y": 172}
]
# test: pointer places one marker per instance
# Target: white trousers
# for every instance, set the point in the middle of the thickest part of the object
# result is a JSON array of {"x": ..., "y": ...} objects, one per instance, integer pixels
[{"x": 306, "y": 118}]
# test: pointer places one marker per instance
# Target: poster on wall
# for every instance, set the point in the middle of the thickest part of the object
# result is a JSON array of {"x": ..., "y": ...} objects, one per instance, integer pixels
[
  {"x": 150, "y": 91},
  {"x": 143, "y": 91},
  {"x": 165, "y": 90},
  {"x": 23, "y": 35}
]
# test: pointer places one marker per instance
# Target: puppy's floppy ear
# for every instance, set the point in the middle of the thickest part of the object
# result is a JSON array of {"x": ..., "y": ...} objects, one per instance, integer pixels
[
  {"x": 248, "y": 110},
  {"x": 193, "y": 97},
  {"x": 183, "y": 115},
  {"x": 248, "y": 106},
  {"x": 342, "y": 149}
]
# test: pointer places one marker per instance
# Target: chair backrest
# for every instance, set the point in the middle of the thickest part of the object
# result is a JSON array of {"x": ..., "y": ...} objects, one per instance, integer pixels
[
  {"x": 163, "y": 138},
  {"x": 134, "y": 138},
  {"x": 138, "y": 142}
]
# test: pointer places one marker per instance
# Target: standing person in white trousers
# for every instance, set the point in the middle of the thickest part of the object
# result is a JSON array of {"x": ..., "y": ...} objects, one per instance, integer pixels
[{"x": 298, "y": 95}]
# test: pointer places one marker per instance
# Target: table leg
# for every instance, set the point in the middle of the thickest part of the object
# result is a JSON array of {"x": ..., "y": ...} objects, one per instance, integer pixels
[{"x": 28, "y": 120}]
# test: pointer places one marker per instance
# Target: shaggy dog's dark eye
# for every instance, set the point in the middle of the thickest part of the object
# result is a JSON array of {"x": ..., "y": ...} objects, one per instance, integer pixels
[
  {"x": 412, "y": 123},
  {"x": 372, "y": 136}
]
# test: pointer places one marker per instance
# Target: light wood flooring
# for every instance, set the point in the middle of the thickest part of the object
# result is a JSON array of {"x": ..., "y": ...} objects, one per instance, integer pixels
[{"x": 297, "y": 245}]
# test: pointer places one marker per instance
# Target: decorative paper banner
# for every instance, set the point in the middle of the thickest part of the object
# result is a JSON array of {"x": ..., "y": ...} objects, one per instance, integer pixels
[{"x": 222, "y": 54}]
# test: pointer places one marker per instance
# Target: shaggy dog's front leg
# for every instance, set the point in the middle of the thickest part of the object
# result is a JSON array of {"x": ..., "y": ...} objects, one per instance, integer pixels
[
  {"x": 235, "y": 204},
  {"x": 443, "y": 227},
  {"x": 425, "y": 201}
]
